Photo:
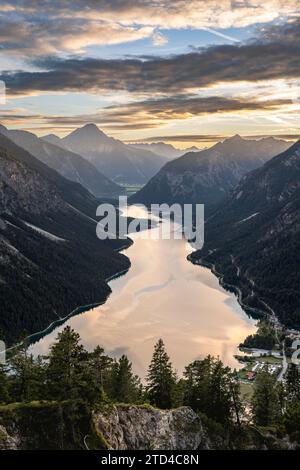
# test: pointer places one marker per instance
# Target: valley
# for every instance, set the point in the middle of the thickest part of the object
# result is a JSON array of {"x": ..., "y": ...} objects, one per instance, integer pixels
[
  {"x": 162, "y": 294},
  {"x": 150, "y": 231}
]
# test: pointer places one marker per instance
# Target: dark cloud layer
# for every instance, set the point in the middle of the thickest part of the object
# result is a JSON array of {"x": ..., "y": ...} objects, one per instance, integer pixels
[
  {"x": 178, "y": 105},
  {"x": 152, "y": 113},
  {"x": 251, "y": 62},
  {"x": 168, "y": 85},
  {"x": 145, "y": 114}
]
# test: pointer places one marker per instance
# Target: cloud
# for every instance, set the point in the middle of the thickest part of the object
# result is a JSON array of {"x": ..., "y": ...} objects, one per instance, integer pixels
[
  {"x": 163, "y": 13},
  {"x": 161, "y": 89},
  {"x": 156, "y": 111},
  {"x": 273, "y": 55},
  {"x": 60, "y": 26},
  {"x": 159, "y": 39},
  {"x": 253, "y": 62},
  {"x": 61, "y": 35},
  {"x": 151, "y": 113}
]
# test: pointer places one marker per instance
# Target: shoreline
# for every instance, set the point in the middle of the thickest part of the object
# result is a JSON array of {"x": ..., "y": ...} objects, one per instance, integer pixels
[
  {"x": 35, "y": 337},
  {"x": 250, "y": 311},
  {"x": 229, "y": 287},
  {"x": 237, "y": 291}
]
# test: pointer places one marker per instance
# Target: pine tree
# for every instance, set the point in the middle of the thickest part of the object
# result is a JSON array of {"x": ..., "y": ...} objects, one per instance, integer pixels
[
  {"x": 100, "y": 365},
  {"x": 126, "y": 386},
  {"x": 291, "y": 420},
  {"x": 161, "y": 379},
  {"x": 27, "y": 380},
  {"x": 213, "y": 389},
  {"x": 67, "y": 371},
  {"x": 265, "y": 400}
]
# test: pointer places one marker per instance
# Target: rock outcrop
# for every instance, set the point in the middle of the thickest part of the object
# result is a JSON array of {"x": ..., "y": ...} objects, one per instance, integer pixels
[
  {"x": 143, "y": 427},
  {"x": 8, "y": 442}
]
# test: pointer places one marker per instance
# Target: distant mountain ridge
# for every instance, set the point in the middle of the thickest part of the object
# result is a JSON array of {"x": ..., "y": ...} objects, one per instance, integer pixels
[
  {"x": 253, "y": 238},
  {"x": 120, "y": 162},
  {"x": 208, "y": 175},
  {"x": 50, "y": 258},
  {"x": 163, "y": 149},
  {"x": 69, "y": 164}
]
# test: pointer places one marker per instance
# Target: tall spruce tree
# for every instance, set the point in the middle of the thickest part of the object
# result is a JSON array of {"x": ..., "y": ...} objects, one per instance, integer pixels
[
  {"x": 27, "y": 376},
  {"x": 67, "y": 371},
  {"x": 126, "y": 386},
  {"x": 100, "y": 365},
  {"x": 266, "y": 406},
  {"x": 213, "y": 389},
  {"x": 161, "y": 378}
]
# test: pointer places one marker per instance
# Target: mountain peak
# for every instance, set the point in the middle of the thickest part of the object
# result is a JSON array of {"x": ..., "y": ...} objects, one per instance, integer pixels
[
  {"x": 91, "y": 128},
  {"x": 88, "y": 136},
  {"x": 51, "y": 138},
  {"x": 90, "y": 125},
  {"x": 235, "y": 138}
]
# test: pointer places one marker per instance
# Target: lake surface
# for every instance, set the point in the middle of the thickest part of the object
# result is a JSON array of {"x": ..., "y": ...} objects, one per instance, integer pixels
[{"x": 163, "y": 295}]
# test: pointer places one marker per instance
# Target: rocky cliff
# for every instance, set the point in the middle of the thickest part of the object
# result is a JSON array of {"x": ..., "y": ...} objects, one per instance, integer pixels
[
  {"x": 8, "y": 442},
  {"x": 70, "y": 425},
  {"x": 143, "y": 427}
]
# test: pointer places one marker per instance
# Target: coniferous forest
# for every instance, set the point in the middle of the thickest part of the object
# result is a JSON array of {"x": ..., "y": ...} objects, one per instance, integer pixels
[{"x": 51, "y": 400}]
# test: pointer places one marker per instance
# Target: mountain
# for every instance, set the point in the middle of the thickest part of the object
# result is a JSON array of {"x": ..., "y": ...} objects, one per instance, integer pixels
[
  {"x": 253, "y": 239},
  {"x": 120, "y": 162},
  {"x": 52, "y": 139},
  {"x": 50, "y": 258},
  {"x": 68, "y": 164},
  {"x": 208, "y": 175},
  {"x": 165, "y": 150}
]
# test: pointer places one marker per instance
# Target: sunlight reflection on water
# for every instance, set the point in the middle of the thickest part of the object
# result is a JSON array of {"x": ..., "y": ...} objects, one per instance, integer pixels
[{"x": 163, "y": 295}]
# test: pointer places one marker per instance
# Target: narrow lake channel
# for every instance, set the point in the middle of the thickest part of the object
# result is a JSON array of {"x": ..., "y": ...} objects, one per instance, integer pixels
[{"x": 162, "y": 295}]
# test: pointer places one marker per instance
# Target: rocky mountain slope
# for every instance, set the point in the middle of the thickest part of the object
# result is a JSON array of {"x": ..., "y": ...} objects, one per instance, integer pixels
[
  {"x": 207, "y": 176},
  {"x": 118, "y": 161},
  {"x": 253, "y": 238},
  {"x": 50, "y": 258},
  {"x": 68, "y": 164}
]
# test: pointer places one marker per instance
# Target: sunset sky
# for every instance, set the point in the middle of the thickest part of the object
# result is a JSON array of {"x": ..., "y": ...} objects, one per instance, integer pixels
[{"x": 186, "y": 72}]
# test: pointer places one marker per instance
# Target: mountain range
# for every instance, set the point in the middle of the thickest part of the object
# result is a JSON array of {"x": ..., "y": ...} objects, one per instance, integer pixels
[
  {"x": 50, "y": 258},
  {"x": 120, "y": 162},
  {"x": 165, "y": 150},
  {"x": 68, "y": 164},
  {"x": 252, "y": 240},
  {"x": 52, "y": 262},
  {"x": 207, "y": 176}
]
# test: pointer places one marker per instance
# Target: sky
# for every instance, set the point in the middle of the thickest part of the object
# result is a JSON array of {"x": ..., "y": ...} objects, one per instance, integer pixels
[{"x": 187, "y": 72}]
